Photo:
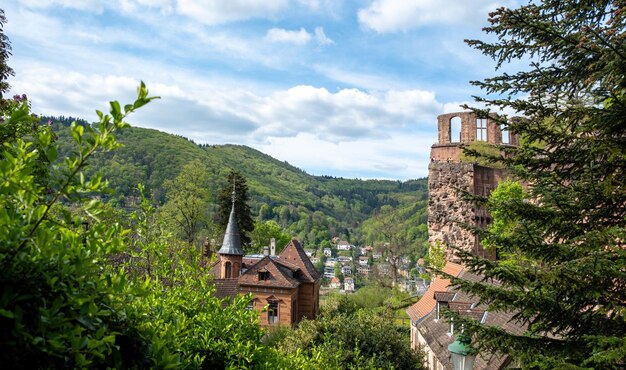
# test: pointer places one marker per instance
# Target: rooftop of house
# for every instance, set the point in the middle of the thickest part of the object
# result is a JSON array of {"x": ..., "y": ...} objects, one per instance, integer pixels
[
  {"x": 288, "y": 270},
  {"x": 436, "y": 330},
  {"x": 427, "y": 303}
]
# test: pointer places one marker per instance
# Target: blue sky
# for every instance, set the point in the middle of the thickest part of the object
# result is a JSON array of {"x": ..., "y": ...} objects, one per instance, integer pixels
[{"x": 340, "y": 88}]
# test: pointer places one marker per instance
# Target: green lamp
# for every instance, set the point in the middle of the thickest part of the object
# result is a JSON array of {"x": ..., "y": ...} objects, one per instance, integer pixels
[{"x": 460, "y": 353}]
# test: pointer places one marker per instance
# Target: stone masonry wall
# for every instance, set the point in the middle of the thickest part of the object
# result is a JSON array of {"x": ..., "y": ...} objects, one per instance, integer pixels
[{"x": 446, "y": 209}]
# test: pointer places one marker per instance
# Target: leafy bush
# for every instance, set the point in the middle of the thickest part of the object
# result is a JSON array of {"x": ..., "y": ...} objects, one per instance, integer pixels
[{"x": 349, "y": 338}]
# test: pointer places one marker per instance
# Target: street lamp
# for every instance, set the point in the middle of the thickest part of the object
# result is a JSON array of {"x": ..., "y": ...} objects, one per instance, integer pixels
[{"x": 460, "y": 355}]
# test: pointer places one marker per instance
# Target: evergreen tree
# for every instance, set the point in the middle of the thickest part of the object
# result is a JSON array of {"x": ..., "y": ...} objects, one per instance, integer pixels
[
  {"x": 564, "y": 270},
  {"x": 242, "y": 209}
]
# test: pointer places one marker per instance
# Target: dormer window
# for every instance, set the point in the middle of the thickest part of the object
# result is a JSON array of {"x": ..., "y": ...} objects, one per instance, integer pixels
[
  {"x": 443, "y": 300},
  {"x": 439, "y": 309},
  {"x": 264, "y": 275}
]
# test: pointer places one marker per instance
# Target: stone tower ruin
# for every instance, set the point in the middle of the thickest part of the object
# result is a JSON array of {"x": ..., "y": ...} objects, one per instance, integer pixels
[{"x": 449, "y": 175}]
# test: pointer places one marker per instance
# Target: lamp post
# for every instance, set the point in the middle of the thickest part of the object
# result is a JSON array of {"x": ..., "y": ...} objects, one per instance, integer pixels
[{"x": 460, "y": 355}]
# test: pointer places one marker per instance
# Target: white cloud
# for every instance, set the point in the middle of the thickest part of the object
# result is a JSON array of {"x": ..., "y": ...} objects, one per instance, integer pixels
[
  {"x": 396, "y": 157},
  {"x": 194, "y": 104},
  {"x": 321, "y": 37},
  {"x": 346, "y": 115},
  {"x": 351, "y": 132},
  {"x": 300, "y": 37},
  {"x": 214, "y": 12},
  {"x": 401, "y": 15}
]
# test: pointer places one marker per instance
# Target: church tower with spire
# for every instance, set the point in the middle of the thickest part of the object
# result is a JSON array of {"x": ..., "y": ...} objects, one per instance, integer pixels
[{"x": 231, "y": 253}]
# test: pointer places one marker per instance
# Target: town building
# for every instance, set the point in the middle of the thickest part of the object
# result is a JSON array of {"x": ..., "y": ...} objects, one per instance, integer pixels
[
  {"x": 348, "y": 284},
  {"x": 363, "y": 260},
  {"x": 344, "y": 246},
  {"x": 346, "y": 270},
  {"x": 286, "y": 284},
  {"x": 448, "y": 175},
  {"x": 329, "y": 272}
]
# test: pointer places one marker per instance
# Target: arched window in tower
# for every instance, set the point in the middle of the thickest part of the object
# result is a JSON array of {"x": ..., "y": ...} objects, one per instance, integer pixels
[
  {"x": 481, "y": 129},
  {"x": 455, "y": 130},
  {"x": 227, "y": 270},
  {"x": 505, "y": 134}
]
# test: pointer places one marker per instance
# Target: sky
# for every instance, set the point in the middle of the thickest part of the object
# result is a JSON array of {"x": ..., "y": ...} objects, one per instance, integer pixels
[{"x": 340, "y": 88}]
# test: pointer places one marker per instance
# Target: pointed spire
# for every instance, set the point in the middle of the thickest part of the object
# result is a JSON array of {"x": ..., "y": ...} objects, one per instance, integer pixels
[{"x": 232, "y": 239}]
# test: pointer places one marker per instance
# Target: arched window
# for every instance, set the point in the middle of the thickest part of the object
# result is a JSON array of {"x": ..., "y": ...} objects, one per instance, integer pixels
[
  {"x": 227, "y": 270},
  {"x": 455, "y": 130},
  {"x": 505, "y": 134}
]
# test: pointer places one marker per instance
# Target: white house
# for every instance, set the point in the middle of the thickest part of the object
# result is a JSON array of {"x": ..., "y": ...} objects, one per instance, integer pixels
[
  {"x": 328, "y": 252},
  {"x": 348, "y": 284},
  {"x": 344, "y": 246},
  {"x": 346, "y": 270},
  {"x": 335, "y": 283}
]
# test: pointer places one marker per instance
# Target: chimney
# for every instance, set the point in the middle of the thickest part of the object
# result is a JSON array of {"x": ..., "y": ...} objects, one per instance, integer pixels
[
  {"x": 266, "y": 251},
  {"x": 273, "y": 246}
]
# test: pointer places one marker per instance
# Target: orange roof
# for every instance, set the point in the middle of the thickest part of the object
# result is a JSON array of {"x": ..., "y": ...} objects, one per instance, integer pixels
[{"x": 427, "y": 303}]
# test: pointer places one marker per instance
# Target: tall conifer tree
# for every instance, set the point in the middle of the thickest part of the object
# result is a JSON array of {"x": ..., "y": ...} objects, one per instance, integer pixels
[
  {"x": 565, "y": 274},
  {"x": 242, "y": 209}
]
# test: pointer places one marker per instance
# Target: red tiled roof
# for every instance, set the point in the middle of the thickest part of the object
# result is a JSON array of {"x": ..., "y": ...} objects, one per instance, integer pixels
[
  {"x": 426, "y": 304},
  {"x": 435, "y": 332}
]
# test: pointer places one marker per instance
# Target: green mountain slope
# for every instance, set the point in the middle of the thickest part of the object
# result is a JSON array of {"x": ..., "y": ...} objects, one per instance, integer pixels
[{"x": 313, "y": 207}]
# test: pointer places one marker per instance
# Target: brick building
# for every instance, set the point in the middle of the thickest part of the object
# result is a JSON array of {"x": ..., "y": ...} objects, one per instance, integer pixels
[{"x": 287, "y": 284}]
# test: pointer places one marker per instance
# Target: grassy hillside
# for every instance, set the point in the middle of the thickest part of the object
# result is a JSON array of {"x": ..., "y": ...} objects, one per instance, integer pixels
[{"x": 312, "y": 207}]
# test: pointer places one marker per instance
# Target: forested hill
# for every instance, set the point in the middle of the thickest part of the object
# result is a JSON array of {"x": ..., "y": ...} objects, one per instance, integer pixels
[{"x": 312, "y": 207}]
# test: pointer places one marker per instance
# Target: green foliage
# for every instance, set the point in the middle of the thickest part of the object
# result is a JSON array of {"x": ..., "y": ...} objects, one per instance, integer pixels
[
  {"x": 58, "y": 306},
  {"x": 312, "y": 208},
  {"x": 347, "y": 338},
  {"x": 390, "y": 232},
  {"x": 66, "y": 297},
  {"x": 483, "y": 153},
  {"x": 264, "y": 231},
  {"x": 436, "y": 258},
  {"x": 187, "y": 205},
  {"x": 5, "y": 52},
  {"x": 375, "y": 296},
  {"x": 565, "y": 272}
]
